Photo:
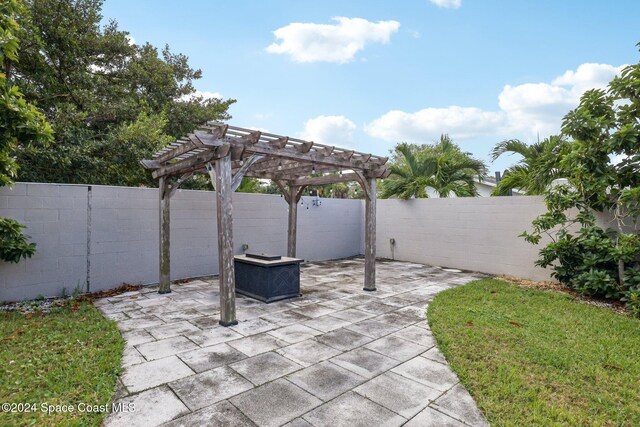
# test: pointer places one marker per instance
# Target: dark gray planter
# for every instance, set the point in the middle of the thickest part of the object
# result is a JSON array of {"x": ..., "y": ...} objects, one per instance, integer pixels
[{"x": 267, "y": 280}]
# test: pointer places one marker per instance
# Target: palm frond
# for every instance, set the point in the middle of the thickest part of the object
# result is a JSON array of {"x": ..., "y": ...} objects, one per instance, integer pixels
[{"x": 513, "y": 146}]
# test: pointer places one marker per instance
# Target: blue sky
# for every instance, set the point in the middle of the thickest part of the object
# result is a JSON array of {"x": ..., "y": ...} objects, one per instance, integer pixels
[{"x": 368, "y": 74}]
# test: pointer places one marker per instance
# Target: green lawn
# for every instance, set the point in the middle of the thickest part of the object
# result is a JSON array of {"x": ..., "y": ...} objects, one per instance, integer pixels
[
  {"x": 532, "y": 357},
  {"x": 69, "y": 356}
]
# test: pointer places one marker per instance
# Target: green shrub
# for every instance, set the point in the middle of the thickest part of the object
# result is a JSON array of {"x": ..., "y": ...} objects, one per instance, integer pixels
[
  {"x": 581, "y": 253},
  {"x": 13, "y": 242}
]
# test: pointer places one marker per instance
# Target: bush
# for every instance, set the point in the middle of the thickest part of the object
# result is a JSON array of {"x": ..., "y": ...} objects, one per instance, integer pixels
[
  {"x": 583, "y": 255},
  {"x": 13, "y": 242}
]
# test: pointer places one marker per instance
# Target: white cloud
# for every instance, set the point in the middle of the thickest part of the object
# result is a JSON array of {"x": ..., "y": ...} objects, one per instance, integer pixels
[
  {"x": 204, "y": 93},
  {"x": 130, "y": 40},
  {"x": 539, "y": 107},
  {"x": 535, "y": 107},
  {"x": 588, "y": 76},
  {"x": 525, "y": 111},
  {"x": 262, "y": 116},
  {"x": 330, "y": 130},
  {"x": 339, "y": 42},
  {"x": 427, "y": 124},
  {"x": 449, "y": 4}
]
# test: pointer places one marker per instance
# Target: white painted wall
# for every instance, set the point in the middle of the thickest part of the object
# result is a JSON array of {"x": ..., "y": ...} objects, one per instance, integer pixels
[
  {"x": 56, "y": 217},
  {"x": 479, "y": 234},
  {"x": 123, "y": 234}
]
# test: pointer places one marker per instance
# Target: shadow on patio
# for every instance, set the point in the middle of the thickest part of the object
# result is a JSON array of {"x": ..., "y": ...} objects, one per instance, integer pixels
[{"x": 335, "y": 356}]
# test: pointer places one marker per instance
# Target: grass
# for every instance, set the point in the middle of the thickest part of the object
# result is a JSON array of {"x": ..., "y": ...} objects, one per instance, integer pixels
[
  {"x": 532, "y": 357},
  {"x": 66, "y": 357}
]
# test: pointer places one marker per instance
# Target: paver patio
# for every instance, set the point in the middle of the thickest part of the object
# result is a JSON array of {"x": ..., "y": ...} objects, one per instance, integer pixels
[{"x": 335, "y": 356}]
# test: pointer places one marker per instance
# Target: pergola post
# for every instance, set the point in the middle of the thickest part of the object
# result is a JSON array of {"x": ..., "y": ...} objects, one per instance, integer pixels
[
  {"x": 370, "y": 236},
  {"x": 293, "y": 221},
  {"x": 165, "y": 240},
  {"x": 225, "y": 241}
]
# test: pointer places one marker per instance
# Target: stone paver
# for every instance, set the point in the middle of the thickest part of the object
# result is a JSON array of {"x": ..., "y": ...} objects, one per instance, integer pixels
[
  {"x": 396, "y": 348},
  {"x": 212, "y": 357},
  {"x": 275, "y": 403},
  {"x": 458, "y": 403},
  {"x": 172, "y": 329},
  {"x": 365, "y": 362},
  {"x": 344, "y": 339},
  {"x": 429, "y": 417},
  {"x": 326, "y": 380},
  {"x": 220, "y": 414},
  {"x": 151, "y": 407},
  {"x": 151, "y": 374},
  {"x": 334, "y": 356},
  {"x": 308, "y": 352},
  {"x": 265, "y": 367},
  {"x": 428, "y": 372},
  {"x": 209, "y": 387},
  {"x": 294, "y": 333},
  {"x": 398, "y": 394},
  {"x": 257, "y": 344},
  {"x": 353, "y": 410},
  {"x": 166, "y": 347}
]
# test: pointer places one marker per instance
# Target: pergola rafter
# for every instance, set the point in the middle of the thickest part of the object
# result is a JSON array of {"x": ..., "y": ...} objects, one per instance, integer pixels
[{"x": 229, "y": 153}]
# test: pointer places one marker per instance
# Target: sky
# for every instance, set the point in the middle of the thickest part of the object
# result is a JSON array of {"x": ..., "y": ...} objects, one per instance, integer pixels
[{"x": 367, "y": 74}]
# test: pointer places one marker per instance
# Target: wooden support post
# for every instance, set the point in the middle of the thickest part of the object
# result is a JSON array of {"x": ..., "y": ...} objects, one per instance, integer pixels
[
  {"x": 370, "y": 235},
  {"x": 225, "y": 242},
  {"x": 165, "y": 240},
  {"x": 293, "y": 221}
]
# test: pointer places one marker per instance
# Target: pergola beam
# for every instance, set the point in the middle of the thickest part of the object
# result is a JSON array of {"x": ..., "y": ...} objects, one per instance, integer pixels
[
  {"x": 237, "y": 177},
  {"x": 196, "y": 161},
  {"x": 314, "y": 156}
]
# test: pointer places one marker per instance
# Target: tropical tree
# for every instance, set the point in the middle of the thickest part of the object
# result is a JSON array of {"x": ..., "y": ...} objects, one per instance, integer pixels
[
  {"x": 442, "y": 167},
  {"x": 592, "y": 257},
  {"x": 109, "y": 100},
  {"x": 21, "y": 125},
  {"x": 536, "y": 170}
]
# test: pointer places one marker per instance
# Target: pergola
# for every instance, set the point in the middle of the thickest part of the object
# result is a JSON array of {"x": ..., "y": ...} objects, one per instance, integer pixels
[{"x": 227, "y": 154}]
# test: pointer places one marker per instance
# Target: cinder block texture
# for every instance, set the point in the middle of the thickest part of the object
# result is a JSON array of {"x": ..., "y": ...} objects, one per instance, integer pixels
[
  {"x": 109, "y": 235},
  {"x": 477, "y": 234},
  {"x": 56, "y": 220}
]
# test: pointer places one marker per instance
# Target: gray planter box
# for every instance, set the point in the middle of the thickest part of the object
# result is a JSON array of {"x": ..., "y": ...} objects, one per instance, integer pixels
[{"x": 267, "y": 280}]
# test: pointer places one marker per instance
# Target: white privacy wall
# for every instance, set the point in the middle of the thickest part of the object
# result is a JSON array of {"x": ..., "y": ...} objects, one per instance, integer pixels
[
  {"x": 98, "y": 237},
  {"x": 56, "y": 218},
  {"x": 479, "y": 234},
  {"x": 109, "y": 235}
]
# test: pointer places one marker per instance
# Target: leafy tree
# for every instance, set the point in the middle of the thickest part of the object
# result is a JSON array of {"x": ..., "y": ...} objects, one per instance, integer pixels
[
  {"x": 536, "y": 170},
  {"x": 443, "y": 167},
  {"x": 585, "y": 256},
  {"x": 21, "y": 125},
  {"x": 101, "y": 93}
]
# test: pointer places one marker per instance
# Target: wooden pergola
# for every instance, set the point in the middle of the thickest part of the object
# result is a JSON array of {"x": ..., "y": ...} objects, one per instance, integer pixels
[{"x": 227, "y": 154}]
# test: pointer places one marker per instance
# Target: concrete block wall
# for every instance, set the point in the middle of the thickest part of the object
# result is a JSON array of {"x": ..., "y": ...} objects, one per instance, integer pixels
[
  {"x": 479, "y": 234},
  {"x": 110, "y": 234},
  {"x": 56, "y": 219},
  {"x": 124, "y": 236}
]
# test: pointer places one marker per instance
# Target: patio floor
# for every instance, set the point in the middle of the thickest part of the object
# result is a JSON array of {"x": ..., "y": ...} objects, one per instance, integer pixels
[{"x": 336, "y": 356}]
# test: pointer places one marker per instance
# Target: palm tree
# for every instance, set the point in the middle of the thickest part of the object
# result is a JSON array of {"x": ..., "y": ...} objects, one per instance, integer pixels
[
  {"x": 442, "y": 167},
  {"x": 537, "y": 169}
]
